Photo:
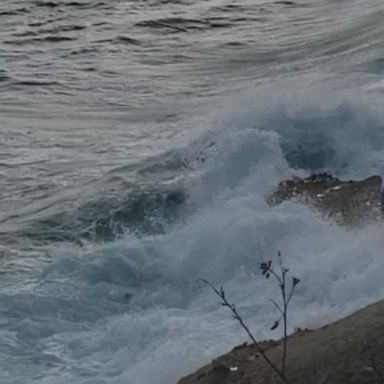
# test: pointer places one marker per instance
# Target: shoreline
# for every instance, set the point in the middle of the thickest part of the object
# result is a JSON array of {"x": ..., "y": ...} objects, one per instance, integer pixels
[{"x": 349, "y": 350}]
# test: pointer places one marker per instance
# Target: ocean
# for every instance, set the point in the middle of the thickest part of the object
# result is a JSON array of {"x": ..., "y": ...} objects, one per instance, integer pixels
[{"x": 139, "y": 140}]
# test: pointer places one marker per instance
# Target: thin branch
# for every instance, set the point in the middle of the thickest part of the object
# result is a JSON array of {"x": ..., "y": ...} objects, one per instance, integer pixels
[
  {"x": 221, "y": 293},
  {"x": 291, "y": 294},
  {"x": 281, "y": 278},
  {"x": 280, "y": 258},
  {"x": 283, "y": 292},
  {"x": 277, "y": 306},
  {"x": 278, "y": 278}
]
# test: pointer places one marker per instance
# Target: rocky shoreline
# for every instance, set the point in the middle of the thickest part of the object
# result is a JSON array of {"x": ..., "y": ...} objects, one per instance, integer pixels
[
  {"x": 350, "y": 203},
  {"x": 348, "y": 351}
]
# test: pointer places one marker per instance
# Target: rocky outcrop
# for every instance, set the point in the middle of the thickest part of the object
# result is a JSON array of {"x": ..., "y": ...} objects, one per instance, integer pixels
[
  {"x": 348, "y": 202},
  {"x": 349, "y": 351}
]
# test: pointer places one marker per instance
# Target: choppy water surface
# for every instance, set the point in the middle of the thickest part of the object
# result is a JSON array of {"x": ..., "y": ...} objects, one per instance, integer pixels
[{"x": 138, "y": 141}]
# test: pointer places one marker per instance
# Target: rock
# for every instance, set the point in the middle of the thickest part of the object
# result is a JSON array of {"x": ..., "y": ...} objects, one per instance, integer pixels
[
  {"x": 347, "y": 202},
  {"x": 349, "y": 351}
]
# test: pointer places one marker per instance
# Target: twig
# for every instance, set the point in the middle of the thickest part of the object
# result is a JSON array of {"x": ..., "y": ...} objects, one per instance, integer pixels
[
  {"x": 221, "y": 293},
  {"x": 281, "y": 278}
]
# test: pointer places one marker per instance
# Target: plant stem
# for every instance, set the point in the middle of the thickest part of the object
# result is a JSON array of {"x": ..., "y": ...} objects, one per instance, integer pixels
[
  {"x": 283, "y": 289},
  {"x": 236, "y": 315}
]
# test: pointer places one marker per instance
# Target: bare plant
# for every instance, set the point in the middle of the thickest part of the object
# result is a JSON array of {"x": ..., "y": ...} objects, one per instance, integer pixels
[
  {"x": 286, "y": 295},
  {"x": 221, "y": 293}
]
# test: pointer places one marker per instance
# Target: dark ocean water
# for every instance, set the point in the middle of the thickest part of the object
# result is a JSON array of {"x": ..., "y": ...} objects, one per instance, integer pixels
[{"x": 138, "y": 141}]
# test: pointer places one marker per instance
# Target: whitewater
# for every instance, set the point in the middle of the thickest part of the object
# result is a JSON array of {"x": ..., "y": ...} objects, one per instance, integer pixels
[{"x": 139, "y": 141}]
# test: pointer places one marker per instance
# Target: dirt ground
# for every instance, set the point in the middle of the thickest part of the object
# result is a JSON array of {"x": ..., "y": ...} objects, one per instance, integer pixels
[{"x": 349, "y": 351}]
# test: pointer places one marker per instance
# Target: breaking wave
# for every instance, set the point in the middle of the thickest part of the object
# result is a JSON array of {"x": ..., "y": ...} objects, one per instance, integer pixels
[
  {"x": 130, "y": 311},
  {"x": 100, "y": 265}
]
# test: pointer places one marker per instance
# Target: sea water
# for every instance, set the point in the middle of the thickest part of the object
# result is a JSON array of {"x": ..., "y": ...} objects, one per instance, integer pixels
[{"x": 139, "y": 141}]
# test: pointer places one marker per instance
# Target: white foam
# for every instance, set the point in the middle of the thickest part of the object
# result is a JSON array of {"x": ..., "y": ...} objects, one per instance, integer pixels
[{"x": 132, "y": 312}]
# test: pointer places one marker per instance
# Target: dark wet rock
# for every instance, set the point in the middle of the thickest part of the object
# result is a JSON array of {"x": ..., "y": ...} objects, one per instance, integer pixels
[{"x": 348, "y": 202}]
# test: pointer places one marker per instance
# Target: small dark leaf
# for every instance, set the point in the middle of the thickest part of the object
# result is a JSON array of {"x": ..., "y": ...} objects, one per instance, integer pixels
[
  {"x": 295, "y": 281},
  {"x": 264, "y": 268},
  {"x": 274, "y": 326},
  {"x": 267, "y": 275}
]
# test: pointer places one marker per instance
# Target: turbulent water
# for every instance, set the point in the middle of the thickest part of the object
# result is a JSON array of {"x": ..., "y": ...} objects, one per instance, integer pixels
[{"x": 138, "y": 143}]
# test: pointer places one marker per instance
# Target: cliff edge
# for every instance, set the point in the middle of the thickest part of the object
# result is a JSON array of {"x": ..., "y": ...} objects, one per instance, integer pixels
[{"x": 349, "y": 351}]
